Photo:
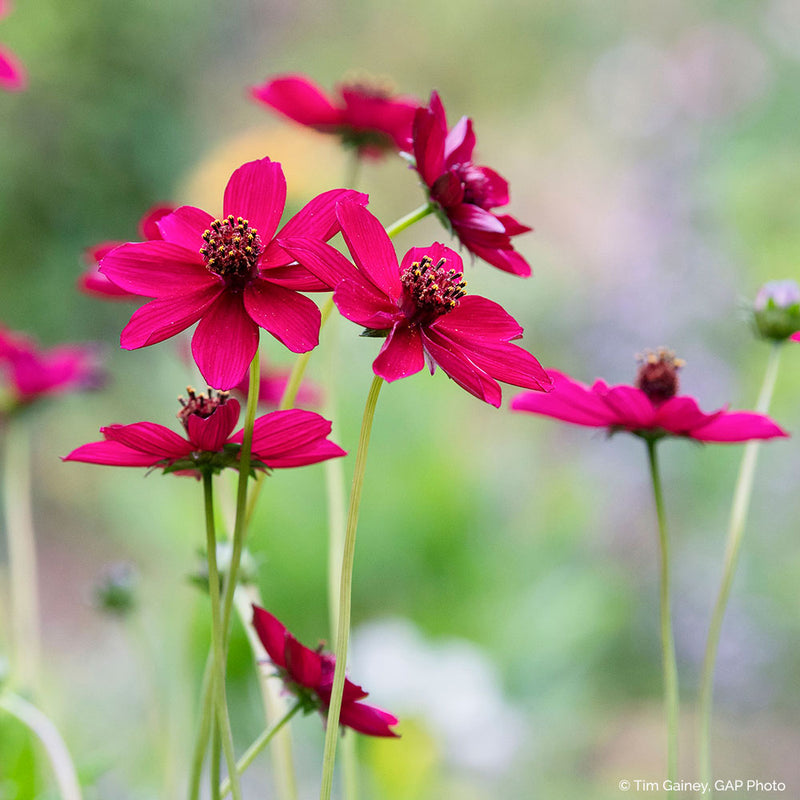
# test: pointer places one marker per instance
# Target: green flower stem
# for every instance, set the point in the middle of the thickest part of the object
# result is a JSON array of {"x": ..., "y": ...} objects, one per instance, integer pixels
[
  {"x": 671, "y": 697},
  {"x": 47, "y": 733},
  {"x": 258, "y": 745},
  {"x": 23, "y": 573},
  {"x": 218, "y": 642},
  {"x": 343, "y": 629},
  {"x": 240, "y": 526},
  {"x": 214, "y": 777},
  {"x": 409, "y": 219},
  {"x": 275, "y": 705},
  {"x": 741, "y": 504},
  {"x": 204, "y": 728}
]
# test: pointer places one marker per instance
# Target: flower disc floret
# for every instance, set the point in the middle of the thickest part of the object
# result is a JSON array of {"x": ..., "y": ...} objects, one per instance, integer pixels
[
  {"x": 432, "y": 289},
  {"x": 658, "y": 374},
  {"x": 231, "y": 250}
]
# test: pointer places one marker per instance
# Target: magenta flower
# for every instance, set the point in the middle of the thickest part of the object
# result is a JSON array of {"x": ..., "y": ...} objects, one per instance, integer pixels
[
  {"x": 308, "y": 674},
  {"x": 291, "y": 438},
  {"x": 422, "y": 309},
  {"x": 651, "y": 409},
  {"x": 365, "y": 117},
  {"x": 93, "y": 281},
  {"x": 29, "y": 372},
  {"x": 12, "y": 74},
  {"x": 228, "y": 273},
  {"x": 464, "y": 192}
]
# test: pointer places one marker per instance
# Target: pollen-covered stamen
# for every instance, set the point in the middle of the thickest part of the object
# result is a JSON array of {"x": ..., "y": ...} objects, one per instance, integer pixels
[
  {"x": 200, "y": 405},
  {"x": 433, "y": 288},
  {"x": 658, "y": 374},
  {"x": 232, "y": 249}
]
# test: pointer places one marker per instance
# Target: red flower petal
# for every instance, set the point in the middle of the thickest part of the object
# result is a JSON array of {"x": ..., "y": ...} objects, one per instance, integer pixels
[
  {"x": 283, "y": 431},
  {"x": 272, "y": 634},
  {"x": 112, "y": 454},
  {"x": 455, "y": 361},
  {"x": 324, "y": 261},
  {"x": 304, "y": 665},
  {"x": 364, "y": 304},
  {"x": 460, "y": 143},
  {"x": 367, "y": 719},
  {"x": 212, "y": 432},
  {"x": 225, "y": 342},
  {"x": 476, "y": 318},
  {"x": 160, "y": 319},
  {"x": 371, "y": 248},
  {"x": 316, "y": 220},
  {"x": 401, "y": 355},
  {"x": 631, "y": 407},
  {"x": 12, "y": 74},
  {"x": 430, "y": 133},
  {"x": 257, "y": 192},
  {"x": 506, "y": 259},
  {"x": 738, "y": 426},
  {"x": 474, "y": 217},
  {"x": 680, "y": 415},
  {"x": 185, "y": 227},
  {"x": 157, "y": 269},
  {"x": 148, "y": 224},
  {"x": 291, "y": 318},
  {"x": 150, "y": 438},
  {"x": 298, "y": 98}
]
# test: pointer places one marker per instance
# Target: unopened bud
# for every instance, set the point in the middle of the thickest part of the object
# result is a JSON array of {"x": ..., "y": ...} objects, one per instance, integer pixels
[{"x": 776, "y": 310}]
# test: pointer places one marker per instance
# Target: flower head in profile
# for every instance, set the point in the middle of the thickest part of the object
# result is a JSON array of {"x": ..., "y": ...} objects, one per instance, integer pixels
[
  {"x": 308, "y": 674},
  {"x": 464, "y": 192},
  {"x": 229, "y": 273},
  {"x": 368, "y": 117},
  {"x": 29, "y": 372},
  {"x": 291, "y": 438},
  {"x": 422, "y": 308},
  {"x": 12, "y": 74},
  {"x": 651, "y": 409},
  {"x": 94, "y": 282}
]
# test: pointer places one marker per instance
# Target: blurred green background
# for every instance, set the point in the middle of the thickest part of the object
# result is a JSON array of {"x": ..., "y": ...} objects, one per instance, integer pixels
[{"x": 505, "y": 597}]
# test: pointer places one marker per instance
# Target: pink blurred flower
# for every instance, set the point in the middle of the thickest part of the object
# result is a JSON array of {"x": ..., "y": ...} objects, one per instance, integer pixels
[
  {"x": 308, "y": 674},
  {"x": 28, "y": 372},
  {"x": 93, "y": 281},
  {"x": 291, "y": 438},
  {"x": 422, "y": 309},
  {"x": 366, "y": 117},
  {"x": 652, "y": 409},
  {"x": 272, "y": 386},
  {"x": 228, "y": 273},
  {"x": 12, "y": 74},
  {"x": 464, "y": 192}
]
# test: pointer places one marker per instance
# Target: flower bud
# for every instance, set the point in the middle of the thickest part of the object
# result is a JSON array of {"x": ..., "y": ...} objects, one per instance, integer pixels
[
  {"x": 776, "y": 310},
  {"x": 115, "y": 590}
]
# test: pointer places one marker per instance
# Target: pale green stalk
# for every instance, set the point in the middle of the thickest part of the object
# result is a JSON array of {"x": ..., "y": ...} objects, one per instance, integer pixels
[
  {"x": 218, "y": 642},
  {"x": 671, "y": 696},
  {"x": 343, "y": 629},
  {"x": 741, "y": 504},
  {"x": 409, "y": 219},
  {"x": 204, "y": 727},
  {"x": 258, "y": 745},
  {"x": 47, "y": 733}
]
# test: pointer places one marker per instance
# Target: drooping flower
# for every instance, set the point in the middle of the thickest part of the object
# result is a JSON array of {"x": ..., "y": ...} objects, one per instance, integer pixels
[
  {"x": 291, "y": 438},
  {"x": 366, "y": 117},
  {"x": 422, "y": 308},
  {"x": 228, "y": 273},
  {"x": 94, "y": 282},
  {"x": 12, "y": 73},
  {"x": 308, "y": 674},
  {"x": 651, "y": 409},
  {"x": 28, "y": 372},
  {"x": 464, "y": 192}
]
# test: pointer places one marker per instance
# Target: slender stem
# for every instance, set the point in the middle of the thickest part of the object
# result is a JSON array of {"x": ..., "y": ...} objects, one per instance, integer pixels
[
  {"x": 47, "y": 733},
  {"x": 671, "y": 698},
  {"x": 216, "y": 747},
  {"x": 258, "y": 745},
  {"x": 275, "y": 705},
  {"x": 343, "y": 629},
  {"x": 218, "y": 641},
  {"x": 25, "y": 629},
  {"x": 288, "y": 400},
  {"x": 741, "y": 504},
  {"x": 409, "y": 219},
  {"x": 204, "y": 728},
  {"x": 240, "y": 526}
]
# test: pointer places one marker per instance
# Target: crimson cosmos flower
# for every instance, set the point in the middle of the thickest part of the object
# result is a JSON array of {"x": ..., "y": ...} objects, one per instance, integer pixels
[
  {"x": 464, "y": 192},
  {"x": 93, "y": 281},
  {"x": 31, "y": 372},
  {"x": 365, "y": 117},
  {"x": 308, "y": 674},
  {"x": 290, "y": 438},
  {"x": 422, "y": 309},
  {"x": 12, "y": 75},
  {"x": 652, "y": 409},
  {"x": 229, "y": 273}
]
